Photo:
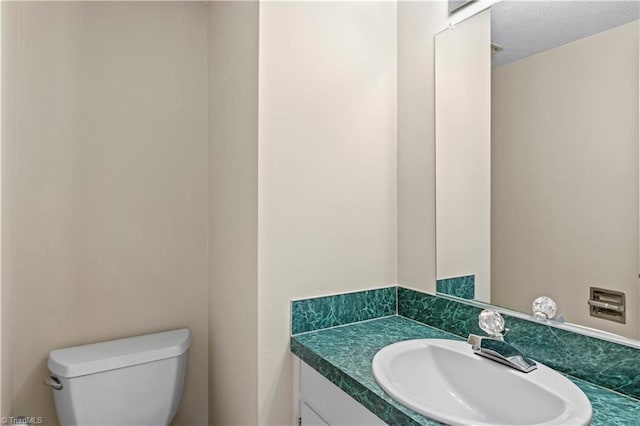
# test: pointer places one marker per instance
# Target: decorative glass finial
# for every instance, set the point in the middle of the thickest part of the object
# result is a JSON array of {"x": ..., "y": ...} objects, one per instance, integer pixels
[
  {"x": 544, "y": 308},
  {"x": 491, "y": 322}
]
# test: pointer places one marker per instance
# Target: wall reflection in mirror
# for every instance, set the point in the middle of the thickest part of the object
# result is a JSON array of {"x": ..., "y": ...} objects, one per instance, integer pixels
[{"x": 537, "y": 160}]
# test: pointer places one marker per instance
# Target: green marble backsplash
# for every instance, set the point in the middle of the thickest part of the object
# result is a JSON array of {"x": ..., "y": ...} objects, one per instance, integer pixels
[
  {"x": 463, "y": 286},
  {"x": 607, "y": 364},
  {"x": 330, "y": 311}
]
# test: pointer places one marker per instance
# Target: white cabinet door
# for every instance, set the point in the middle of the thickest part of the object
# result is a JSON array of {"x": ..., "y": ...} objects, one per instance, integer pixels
[
  {"x": 308, "y": 417},
  {"x": 329, "y": 403}
]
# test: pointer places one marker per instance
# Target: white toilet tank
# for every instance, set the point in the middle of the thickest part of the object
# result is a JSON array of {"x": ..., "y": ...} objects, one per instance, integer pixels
[{"x": 134, "y": 381}]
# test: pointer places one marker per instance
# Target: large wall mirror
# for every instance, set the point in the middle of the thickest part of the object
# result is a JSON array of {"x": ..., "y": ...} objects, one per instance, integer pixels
[{"x": 537, "y": 160}]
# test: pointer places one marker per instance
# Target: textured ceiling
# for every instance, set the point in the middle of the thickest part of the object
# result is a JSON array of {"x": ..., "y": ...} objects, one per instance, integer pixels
[{"x": 524, "y": 28}]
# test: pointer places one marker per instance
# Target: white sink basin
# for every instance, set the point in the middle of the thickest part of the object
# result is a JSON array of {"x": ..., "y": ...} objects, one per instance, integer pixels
[{"x": 446, "y": 381}]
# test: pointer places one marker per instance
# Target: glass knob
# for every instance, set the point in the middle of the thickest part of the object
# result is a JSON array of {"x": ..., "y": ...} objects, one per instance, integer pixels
[
  {"x": 544, "y": 308},
  {"x": 491, "y": 322}
]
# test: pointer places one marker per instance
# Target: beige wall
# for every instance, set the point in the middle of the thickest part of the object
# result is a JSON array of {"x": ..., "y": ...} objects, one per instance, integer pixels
[
  {"x": 463, "y": 152},
  {"x": 109, "y": 186},
  {"x": 565, "y": 177},
  {"x": 8, "y": 32},
  {"x": 327, "y": 168},
  {"x": 97, "y": 217},
  {"x": 233, "y": 236},
  {"x": 417, "y": 24}
]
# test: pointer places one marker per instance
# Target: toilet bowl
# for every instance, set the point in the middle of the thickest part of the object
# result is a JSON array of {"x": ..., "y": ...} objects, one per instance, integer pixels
[{"x": 134, "y": 381}]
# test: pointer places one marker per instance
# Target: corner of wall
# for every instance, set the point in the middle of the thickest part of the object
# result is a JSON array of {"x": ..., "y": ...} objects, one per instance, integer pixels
[{"x": 232, "y": 51}]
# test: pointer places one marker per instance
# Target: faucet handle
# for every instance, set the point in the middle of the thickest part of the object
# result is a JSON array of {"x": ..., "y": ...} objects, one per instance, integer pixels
[
  {"x": 491, "y": 322},
  {"x": 544, "y": 308}
]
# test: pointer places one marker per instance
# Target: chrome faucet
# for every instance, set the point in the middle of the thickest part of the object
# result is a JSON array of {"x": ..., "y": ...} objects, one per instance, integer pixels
[{"x": 495, "y": 347}]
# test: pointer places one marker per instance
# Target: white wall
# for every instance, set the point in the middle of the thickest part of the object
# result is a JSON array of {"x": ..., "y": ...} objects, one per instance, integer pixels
[
  {"x": 327, "y": 168},
  {"x": 463, "y": 152},
  {"x": 233, "y": 206},
  {"x": 565, "y": 183},
  {"x": 417, "y": 24},
  {"x": 108, "y": 186}
]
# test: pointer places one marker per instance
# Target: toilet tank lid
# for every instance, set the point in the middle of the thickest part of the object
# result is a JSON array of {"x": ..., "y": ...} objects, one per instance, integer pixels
[{"x": 104, "y": 356}]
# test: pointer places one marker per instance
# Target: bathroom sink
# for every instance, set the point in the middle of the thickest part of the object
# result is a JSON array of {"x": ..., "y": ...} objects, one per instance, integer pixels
[{"x": 446, "y": 381}]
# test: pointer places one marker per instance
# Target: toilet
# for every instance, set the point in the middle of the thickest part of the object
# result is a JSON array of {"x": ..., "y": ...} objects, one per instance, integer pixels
[{"x": 134, "y": 381}]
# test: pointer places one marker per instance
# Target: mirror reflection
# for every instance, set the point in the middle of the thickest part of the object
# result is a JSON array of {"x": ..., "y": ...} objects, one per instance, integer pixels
[{"x": 537, "y": 160}]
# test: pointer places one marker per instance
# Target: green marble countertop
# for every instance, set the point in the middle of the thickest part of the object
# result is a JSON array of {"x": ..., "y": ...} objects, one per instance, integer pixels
[{"x": 343, "y": 355}]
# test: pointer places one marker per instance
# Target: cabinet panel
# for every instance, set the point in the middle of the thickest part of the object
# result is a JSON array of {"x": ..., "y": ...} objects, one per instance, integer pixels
[{"x": 331, "y": 403}]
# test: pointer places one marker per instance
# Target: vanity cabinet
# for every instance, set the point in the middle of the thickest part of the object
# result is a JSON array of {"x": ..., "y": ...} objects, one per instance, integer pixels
[{"x": 323, "y": 403}]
